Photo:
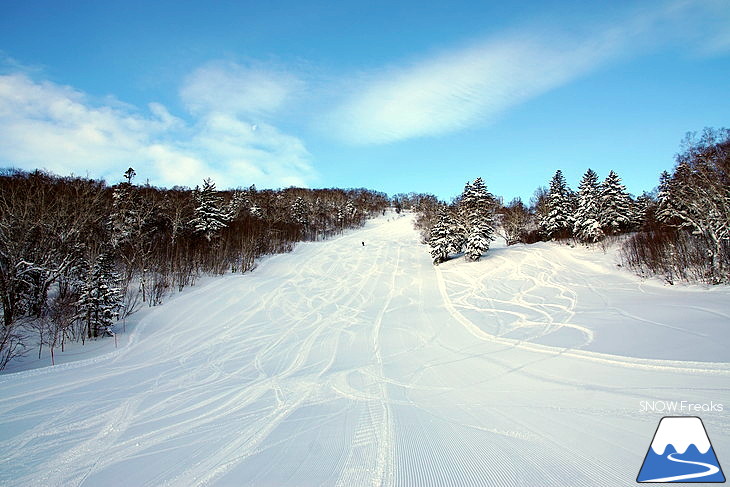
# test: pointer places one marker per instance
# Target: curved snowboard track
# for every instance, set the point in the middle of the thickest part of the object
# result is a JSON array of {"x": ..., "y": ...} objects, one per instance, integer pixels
[{"x": 340, "y": 364}]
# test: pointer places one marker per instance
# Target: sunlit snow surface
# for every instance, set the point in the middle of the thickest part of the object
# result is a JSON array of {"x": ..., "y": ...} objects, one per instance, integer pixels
[{"x": 340, "y": 364}]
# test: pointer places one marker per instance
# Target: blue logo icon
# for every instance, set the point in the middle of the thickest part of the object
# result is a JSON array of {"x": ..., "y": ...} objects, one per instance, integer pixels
[{"x": 680, "y": 452}]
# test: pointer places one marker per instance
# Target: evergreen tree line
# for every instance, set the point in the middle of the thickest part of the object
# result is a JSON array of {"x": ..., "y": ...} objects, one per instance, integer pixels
[
  {"x": 681, "y": 230},
  {"x": 466, "y": 226},
  {"x": 77, "y": 255},
  {"x": 596, "y": 210}
]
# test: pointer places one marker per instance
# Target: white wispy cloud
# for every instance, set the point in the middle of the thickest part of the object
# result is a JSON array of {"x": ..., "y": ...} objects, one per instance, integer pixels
[
  {"x": 456, "y": 89},
  {"x": 60, "y": 129},
  {"x": 46, "y": 125},
  {"x": 254, "y": 151},
  {"x": 472, "y": 84},
  {"x": 235, "y": 89}
]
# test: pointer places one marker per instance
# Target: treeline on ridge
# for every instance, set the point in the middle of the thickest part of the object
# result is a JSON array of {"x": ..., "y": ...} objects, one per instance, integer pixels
[
  {"x": 76, "y": 254},
  {"x": 680, "y": 231}
]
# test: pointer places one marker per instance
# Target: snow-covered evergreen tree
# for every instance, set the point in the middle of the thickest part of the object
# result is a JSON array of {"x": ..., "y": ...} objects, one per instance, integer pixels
[
  {"x": 477, "y": 209},
  {"x": 558, "y": 221},
  {"x": 300, "y": 211},
  {"x": 238, "y": 204},
  {"x": 587, "y": 225},
  {"x": 615, "y": 205},
  {"x": 340, "y": 217},
  {"x": 481, "y": 233},
  {"x": 210, "y": 216},
  {"x": 100, "y": 298},
  {"x": 666, "y": 208},
  {"x": 441, "y": 237},
  {"x": 457, "y": 235},
  {"x": 468, "y": 197},
  {"x": 349, "y": 212},
  {"x": 256, "y": 211},
  {"x": 640, "y": 210}
]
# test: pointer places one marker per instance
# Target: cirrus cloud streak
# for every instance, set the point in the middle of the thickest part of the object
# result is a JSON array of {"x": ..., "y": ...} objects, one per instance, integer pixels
[{"x": 473, "y": 84}]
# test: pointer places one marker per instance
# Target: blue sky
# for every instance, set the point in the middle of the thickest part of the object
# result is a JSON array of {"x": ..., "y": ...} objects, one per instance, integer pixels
[{"x": 394, "y": 96}]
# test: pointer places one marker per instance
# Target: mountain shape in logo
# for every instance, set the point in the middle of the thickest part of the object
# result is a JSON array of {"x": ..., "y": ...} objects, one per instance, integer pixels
[{"x": 681, "y": 452}]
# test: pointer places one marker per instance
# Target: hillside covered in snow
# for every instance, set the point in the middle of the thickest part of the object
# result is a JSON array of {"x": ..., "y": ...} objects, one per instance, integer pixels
[{"x": 355, "y": 361}]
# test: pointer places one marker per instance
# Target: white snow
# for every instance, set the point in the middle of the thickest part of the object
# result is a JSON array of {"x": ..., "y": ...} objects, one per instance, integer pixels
[
  {"x": 680, "y": 432},
  {"x": 340, "y": 364}
]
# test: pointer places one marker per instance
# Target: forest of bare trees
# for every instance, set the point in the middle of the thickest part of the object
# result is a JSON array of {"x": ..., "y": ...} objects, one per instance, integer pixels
[
  {"x": 686, "y": 232},
  {"x": 76, "y": 254}
]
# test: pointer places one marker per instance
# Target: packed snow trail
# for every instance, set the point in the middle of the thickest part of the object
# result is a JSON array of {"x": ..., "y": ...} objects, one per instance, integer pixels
[{"x": 344, "y": 364}]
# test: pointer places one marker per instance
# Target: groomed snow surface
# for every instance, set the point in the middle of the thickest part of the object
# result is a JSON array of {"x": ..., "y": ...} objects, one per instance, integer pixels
[{"x": 340, "y": 364}]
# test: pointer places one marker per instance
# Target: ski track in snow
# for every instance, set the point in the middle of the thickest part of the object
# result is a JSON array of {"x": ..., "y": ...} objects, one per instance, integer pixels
[{"x": 346, "y": 365}]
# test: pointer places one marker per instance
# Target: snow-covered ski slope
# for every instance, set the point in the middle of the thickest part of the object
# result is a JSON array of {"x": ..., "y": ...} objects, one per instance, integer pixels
[{"x": 346, "y": 365}]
